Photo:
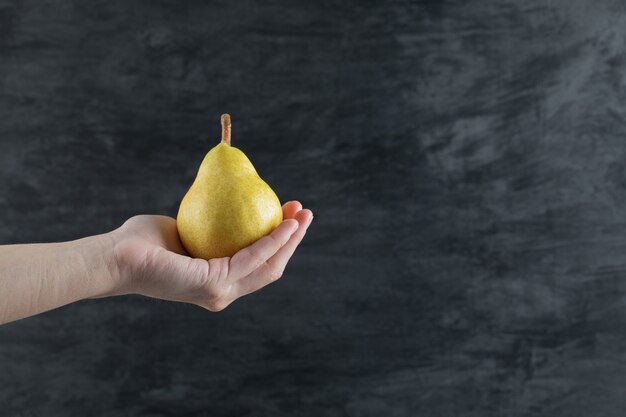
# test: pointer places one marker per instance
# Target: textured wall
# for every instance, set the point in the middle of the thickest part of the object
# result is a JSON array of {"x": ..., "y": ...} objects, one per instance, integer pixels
[{"x": 464, "y": 160}]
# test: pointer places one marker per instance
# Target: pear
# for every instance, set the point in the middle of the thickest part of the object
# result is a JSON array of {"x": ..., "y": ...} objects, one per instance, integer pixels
[{"x": 228, "y": 206}]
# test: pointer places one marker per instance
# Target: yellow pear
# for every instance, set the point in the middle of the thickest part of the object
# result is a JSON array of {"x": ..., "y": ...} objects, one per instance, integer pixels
[{"x": 228, "y": 206}]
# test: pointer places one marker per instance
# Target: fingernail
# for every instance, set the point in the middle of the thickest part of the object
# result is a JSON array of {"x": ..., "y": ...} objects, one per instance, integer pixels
[{"x": 310, "y": 221}]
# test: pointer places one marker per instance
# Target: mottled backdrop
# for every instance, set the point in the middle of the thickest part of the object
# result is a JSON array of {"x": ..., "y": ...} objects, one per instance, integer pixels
[{"x": 465, "y": 160}]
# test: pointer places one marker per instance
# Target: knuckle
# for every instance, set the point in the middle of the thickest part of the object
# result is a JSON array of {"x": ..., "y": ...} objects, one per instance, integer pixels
[
  {"x": 258, "y": 262},
  {"x": 255, "y": 259},
  {"x": 217, "y": 301},
  {"x": 216, "y": 294},
  {"x": 272, "y": 238},
  {"x": 216, "y": 306},
  {"x": 216, "y": 291},
  {"x": 276, "y": 274}
]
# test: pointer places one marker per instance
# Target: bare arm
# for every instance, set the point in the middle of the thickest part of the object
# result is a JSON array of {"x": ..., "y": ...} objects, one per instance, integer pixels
[
  {"x": 39, "y": 277},
  {"x": 144, "y": 256}
]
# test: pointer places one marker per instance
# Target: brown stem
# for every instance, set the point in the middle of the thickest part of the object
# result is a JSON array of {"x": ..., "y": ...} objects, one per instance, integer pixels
[{"x": 226, "y": 128}]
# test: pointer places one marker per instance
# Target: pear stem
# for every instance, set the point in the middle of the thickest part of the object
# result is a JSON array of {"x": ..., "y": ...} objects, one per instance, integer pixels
[{"x": 226, "y": 128}]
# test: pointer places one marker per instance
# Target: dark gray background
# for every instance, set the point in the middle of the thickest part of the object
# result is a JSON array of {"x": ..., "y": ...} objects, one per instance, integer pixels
[{"x": 465, "y": 161}]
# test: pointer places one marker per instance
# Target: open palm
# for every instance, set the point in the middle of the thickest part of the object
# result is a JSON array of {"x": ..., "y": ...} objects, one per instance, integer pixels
[{"x": 149, "y": 251}]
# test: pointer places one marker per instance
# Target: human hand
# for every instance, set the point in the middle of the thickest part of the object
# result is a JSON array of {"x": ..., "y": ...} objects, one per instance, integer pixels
[{"x": 152, "y": 261}]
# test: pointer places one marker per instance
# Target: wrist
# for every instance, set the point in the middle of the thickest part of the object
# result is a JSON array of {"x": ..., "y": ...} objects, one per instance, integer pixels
[
  {"x": 123, "y": 267},
  {"x": 98, "y": 256}
]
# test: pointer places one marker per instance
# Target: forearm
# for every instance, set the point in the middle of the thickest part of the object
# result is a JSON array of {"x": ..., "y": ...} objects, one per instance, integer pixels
[{"x": 40, "y": 277}]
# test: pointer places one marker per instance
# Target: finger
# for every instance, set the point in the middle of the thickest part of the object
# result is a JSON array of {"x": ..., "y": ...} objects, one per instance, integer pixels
[
  {"x": 304, "y": 218},
  {"x": 273, "y": 269},
  {"x": 248, "y": 259},
  {"x": 171, "y": 240},
  {"x": 290, "y": 209},
  {"x": 179, "y": 278},
  {"x": 160, "y": 230}
]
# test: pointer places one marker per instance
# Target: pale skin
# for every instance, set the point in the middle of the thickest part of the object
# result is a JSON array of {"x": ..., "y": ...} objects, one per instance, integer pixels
[{"x": 143, "y": 256}]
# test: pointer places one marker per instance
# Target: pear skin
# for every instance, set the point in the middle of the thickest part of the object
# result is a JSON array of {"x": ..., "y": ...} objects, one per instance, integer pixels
[{"x": 228, "y": 206}]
